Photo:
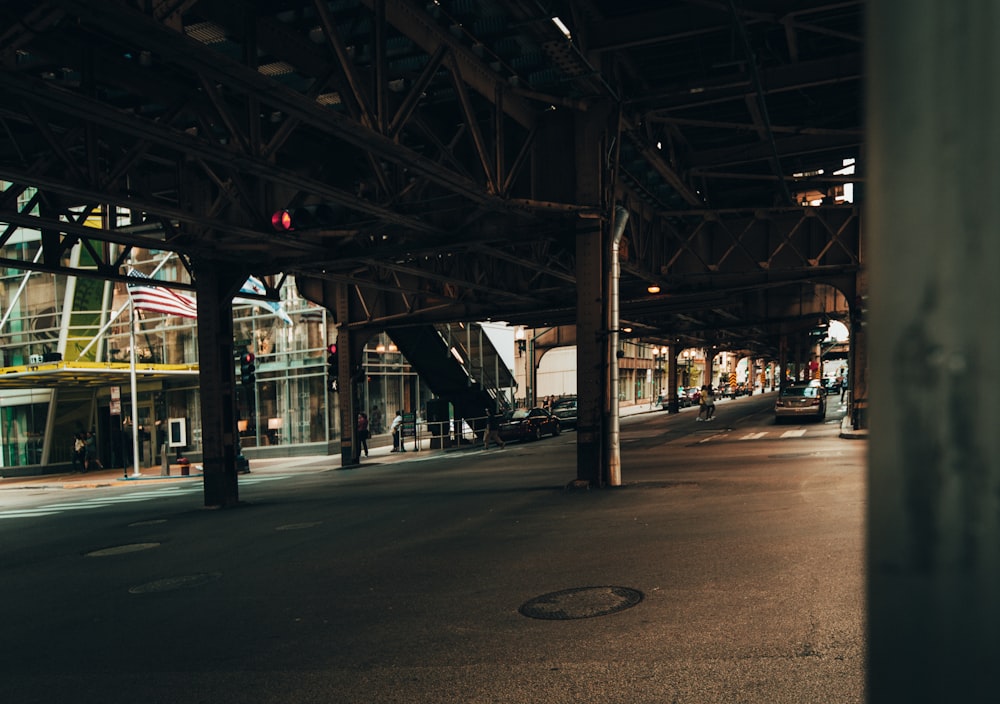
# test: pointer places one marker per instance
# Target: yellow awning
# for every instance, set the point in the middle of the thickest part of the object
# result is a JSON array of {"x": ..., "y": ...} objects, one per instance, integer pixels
[{"x": 56, "y": 374}]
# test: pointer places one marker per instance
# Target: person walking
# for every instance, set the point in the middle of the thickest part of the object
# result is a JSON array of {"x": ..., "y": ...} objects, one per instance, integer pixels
[
  {"x": 79, "y": 453},
  {"x": 397, "y": 433},
  {"x": 92, "y": 460},
  {"x": 362, "y": 428},
  {"x": 492, "y": 431},
  {"x": 709, "y": 403},
  {"x": 703, "y": 403}
]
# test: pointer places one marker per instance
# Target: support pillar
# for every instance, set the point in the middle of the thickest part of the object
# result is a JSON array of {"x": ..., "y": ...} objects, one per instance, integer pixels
[
  {"x": 673, "y": 403},
  {"x": 932, "y": 218},
  {"x": 592, "y": 352},
  {"x": 344, "y": 398},
  {"x": 215, "y": 285},
  {"x": 857, "y": 369}
]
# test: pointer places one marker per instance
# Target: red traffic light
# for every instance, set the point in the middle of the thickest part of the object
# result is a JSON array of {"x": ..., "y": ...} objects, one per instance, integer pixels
[
  {"x": 332, "y": 348},
  {"x": 281, "y": 221},
  {"x": 247, "y": 358}
]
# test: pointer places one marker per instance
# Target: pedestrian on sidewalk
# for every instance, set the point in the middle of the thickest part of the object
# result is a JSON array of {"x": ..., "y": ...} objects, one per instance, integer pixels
[
  {"x": 397, "y": 433},
  {"x": 92, "y": 460},
  {"x": 79, "y": 453},
  {"x": 362, "y": 428},
  {"x": 492, "y": 431}
]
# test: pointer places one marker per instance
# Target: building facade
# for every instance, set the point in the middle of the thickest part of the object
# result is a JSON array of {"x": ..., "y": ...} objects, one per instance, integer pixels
[{"x": 79, "y": 354}]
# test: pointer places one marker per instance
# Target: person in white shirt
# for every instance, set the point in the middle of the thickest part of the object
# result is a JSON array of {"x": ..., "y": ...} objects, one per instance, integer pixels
[{"x": 397, "y": 430}]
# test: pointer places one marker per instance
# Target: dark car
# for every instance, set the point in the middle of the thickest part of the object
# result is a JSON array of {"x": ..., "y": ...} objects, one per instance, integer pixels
[
  {"x": 565, "y": 410},
  {"x": 801, "y": 400},
  {"x": 530, "y": 424}
]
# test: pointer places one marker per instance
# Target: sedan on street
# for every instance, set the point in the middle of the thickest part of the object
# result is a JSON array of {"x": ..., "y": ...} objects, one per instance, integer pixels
[
  {"x": 565, "y": 410},
  {"x": 530, "y": 424},
  {"x": 800, "y": 400}
]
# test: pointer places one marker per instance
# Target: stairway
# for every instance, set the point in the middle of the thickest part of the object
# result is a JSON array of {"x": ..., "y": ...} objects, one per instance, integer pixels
[{"x": 459, "y": 364}]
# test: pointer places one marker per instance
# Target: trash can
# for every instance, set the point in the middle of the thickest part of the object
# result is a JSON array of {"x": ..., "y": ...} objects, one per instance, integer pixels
[{"x": 185, "y": 465}]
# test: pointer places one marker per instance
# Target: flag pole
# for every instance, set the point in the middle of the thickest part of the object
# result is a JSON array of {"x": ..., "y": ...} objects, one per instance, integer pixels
[
  {"x": 135, "y": 408},
  {"x": 114, "y": 316}
]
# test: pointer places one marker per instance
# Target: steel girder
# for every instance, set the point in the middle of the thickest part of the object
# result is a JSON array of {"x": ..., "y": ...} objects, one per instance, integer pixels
[{"x": 416, "y": 122}]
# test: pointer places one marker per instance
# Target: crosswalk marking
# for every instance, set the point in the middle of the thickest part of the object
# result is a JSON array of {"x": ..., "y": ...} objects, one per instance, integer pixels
[
  {"x": 125, "y": 497},
  {"x": 724, "y": 436},
  {"x": 794, "y": 433}
]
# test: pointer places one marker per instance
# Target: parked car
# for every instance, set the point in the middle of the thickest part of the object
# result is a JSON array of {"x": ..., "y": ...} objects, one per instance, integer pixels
[
  {"x": 565, "y": 410},
  {"x": 693, "y": 395},
  {"x": 683, "y": 400},
  {"x": 801, "y": 400},
  {"x": 530, "y": 424}
]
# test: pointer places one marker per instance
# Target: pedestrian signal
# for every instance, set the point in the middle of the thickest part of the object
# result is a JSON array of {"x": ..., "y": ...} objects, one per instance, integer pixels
[{"x": 332, "y": 365}]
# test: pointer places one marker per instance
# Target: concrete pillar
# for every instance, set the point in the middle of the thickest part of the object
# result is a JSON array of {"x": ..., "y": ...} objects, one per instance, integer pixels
[{"x": 933, "y": 236}]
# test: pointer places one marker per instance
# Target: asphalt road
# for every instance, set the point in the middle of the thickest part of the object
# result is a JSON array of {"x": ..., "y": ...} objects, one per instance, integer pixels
[{"x": 727, "y": 568}]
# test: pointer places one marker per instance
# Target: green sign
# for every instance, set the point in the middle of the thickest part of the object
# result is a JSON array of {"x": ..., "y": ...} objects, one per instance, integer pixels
[{"x": 409, "y": 425}]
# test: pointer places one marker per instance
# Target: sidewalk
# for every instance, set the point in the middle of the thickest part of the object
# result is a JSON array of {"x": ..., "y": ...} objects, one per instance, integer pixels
[{"x": 380, "y": 453}]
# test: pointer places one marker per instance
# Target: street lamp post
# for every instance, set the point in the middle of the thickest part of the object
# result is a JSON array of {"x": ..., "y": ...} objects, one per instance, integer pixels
[
  {"x": 659, "y": 357},
  {"x": 655, "y": 391},
  {"x": 686, "y": 355}
]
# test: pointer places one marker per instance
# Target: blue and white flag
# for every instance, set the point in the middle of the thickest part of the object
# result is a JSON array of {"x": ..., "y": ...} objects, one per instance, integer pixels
[{"x": 255, "y": 285}]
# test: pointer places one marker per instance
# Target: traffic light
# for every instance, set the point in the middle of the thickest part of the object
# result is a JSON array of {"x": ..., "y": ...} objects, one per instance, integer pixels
[
  {"x": 306, "y": 217},
  {"x": 247, "y": 369},
  {"x": 332, "y": 365}
]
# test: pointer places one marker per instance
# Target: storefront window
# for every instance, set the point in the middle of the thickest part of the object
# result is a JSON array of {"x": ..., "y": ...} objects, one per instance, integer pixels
[{"x": 23, "y": 433}]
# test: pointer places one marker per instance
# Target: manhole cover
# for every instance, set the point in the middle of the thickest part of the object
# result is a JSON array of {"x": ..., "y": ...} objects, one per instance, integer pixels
[
  {"x": 581, "y": 602},
  {"x": 173, "y": 583}
]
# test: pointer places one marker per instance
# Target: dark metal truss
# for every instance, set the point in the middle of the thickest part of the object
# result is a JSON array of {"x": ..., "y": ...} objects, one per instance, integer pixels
[{"x": 420, "y": 124}]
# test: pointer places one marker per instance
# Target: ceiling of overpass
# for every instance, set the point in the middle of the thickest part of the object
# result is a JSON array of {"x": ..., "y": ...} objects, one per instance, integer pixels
[{"x": 439, "y": 135}]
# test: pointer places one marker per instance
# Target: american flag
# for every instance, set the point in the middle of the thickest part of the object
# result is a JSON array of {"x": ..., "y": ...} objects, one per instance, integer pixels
[{"x": 160, "y": 299}]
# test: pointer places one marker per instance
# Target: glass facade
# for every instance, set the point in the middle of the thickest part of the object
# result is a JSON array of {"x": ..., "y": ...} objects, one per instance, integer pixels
[{"x": 88, "y": 326}]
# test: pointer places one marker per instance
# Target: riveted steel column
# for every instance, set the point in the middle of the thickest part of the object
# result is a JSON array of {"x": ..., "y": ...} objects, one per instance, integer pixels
[
  {"x": 673, "y": 403},
  {"x": 933, "y": 238},
  {"x": 346, "y": 354},
  {"x": 592, "y": 353},
  {"x": 215, "y": 285}
]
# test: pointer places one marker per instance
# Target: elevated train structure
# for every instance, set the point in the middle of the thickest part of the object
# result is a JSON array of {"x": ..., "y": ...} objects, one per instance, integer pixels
[{"x": 681, "y": 169}]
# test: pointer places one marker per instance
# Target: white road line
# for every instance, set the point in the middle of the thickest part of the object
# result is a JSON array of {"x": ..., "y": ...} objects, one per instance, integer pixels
[
  {"x": 26, "y": 513},
  {"x": 124, "y": 498},
  {"x": 794, "y": 433},
  {"x": 753, "y": 436}
]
